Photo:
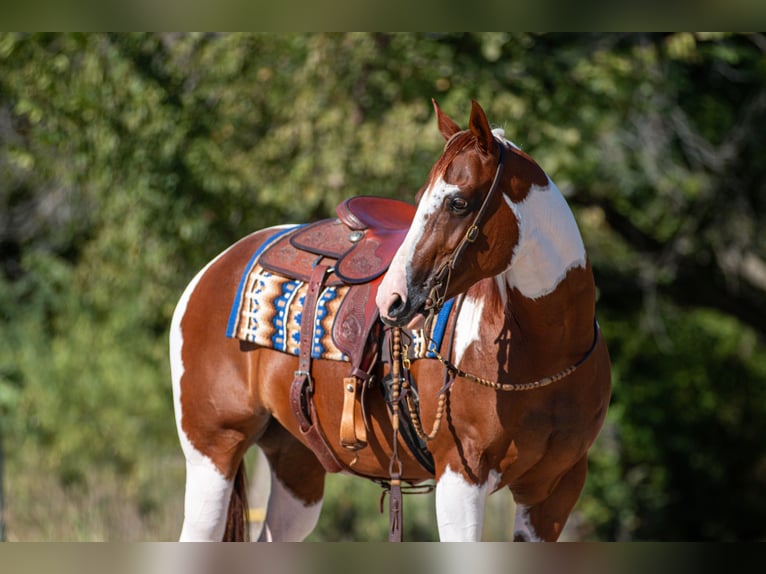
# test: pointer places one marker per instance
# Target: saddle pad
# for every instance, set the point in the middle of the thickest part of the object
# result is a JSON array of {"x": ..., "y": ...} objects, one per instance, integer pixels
[
  {"x": 271, "y": 310},
  {"x": 267, "y": 308},
  {"x": 267, "y": 311}
]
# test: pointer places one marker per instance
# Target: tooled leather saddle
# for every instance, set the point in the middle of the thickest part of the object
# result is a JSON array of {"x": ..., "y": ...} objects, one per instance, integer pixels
[{"x": 353, "y": 249}]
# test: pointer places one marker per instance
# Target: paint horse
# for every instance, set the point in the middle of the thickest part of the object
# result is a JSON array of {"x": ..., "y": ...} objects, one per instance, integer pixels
[{"x": 513, "y": 397}]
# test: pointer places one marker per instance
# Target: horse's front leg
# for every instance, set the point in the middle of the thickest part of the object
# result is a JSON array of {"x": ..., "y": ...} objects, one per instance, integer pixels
[
  {"x": 544, "y": 520},
  {"x": 460, "y": 502}
]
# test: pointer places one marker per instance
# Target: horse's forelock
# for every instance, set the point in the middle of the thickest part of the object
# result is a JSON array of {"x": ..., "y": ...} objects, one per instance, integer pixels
[{"x": 454, "y": 147}]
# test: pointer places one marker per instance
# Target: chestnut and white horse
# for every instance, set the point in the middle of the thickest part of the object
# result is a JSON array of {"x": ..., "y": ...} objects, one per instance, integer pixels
[{"x": 530, "y": 371}]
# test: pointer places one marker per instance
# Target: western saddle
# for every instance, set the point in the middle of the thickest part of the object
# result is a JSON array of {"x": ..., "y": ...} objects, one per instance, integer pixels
[{"x": 354, "y": 249}]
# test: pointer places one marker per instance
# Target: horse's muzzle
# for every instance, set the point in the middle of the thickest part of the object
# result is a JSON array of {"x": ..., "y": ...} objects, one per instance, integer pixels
[{"x": 402, "y": 313}]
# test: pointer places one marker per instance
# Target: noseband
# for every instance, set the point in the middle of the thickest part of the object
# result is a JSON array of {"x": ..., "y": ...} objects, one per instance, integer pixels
[{"x": 443, "y": 276}]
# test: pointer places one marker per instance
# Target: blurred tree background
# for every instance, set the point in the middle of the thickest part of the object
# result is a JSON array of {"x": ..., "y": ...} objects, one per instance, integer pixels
[{"x": 127, "y": 161}]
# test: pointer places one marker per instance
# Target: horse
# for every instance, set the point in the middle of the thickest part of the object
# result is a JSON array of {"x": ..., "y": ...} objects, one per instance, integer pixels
[{"x": 515, "y": 401}]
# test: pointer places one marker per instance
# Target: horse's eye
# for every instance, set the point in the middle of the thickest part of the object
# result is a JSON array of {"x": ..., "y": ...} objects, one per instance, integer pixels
[{"x": 457, "y": 205}]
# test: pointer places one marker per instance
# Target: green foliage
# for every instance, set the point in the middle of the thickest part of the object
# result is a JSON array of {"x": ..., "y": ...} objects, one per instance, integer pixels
[
  {"x": 129, "y": 160},
  {"x": 686, "y": 425}
]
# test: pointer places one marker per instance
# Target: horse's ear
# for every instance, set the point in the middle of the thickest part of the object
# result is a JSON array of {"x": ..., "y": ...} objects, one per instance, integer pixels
[
  {"x": 447, "y": 126},
  {"x": 480, "y": 128}
]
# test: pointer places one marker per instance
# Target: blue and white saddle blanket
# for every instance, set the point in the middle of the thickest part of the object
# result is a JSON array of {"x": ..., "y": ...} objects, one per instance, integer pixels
[{"x": 268, "y": 308}]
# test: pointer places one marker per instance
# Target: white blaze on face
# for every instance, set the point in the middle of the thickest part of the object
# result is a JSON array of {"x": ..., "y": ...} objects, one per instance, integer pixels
[
  {"x": 549, "y": 242},
  {"x": 395, "y": 282}
]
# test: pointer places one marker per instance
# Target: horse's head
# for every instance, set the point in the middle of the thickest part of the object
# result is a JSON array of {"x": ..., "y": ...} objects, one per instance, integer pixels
[{"x": 464, "y": 229}]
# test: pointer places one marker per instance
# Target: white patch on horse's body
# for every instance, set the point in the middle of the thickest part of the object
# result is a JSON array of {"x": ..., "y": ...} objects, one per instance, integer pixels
[
  {"x": 288, "y": 519},
  {"x": 460, "y": 506},
  {"x": 207, "y": 493},
  {"x": 468, "y": 327},
  {"x": 522, "y": 525},
  {"x": 549, "y": 245},
  {"x": 207, "y": 490}
]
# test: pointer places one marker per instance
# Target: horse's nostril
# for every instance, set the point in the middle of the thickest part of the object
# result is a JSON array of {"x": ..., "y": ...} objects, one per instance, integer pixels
[{"x": 397, "y": 306}]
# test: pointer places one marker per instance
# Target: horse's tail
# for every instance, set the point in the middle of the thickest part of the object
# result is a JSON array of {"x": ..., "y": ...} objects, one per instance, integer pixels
[{"x": 237, "y": 523}]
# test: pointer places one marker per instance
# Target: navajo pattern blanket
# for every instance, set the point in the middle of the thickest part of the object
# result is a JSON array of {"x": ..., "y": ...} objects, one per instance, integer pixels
[
  {"x": 268, "y": 309},
  {"x": 271, "y": 314}
]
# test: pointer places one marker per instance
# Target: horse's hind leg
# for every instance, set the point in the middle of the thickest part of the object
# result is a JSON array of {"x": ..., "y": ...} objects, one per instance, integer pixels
[
  {"x": 297, "y": 487},
  {"x": 206, "y": 499},
  {"x": 214, "y": 434}
]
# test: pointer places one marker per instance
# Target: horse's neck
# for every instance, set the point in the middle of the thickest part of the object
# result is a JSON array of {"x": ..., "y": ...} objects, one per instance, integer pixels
[{"x": 541, "y": 307}]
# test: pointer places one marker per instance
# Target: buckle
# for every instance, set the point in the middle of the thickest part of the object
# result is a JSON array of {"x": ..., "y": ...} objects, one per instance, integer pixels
[{"x": 307, "y": 375}]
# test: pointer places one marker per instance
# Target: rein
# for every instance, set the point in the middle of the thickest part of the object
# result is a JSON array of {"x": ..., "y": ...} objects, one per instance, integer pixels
[
  {"x": 537, "y": 384},
  {"x": 452, "y": 371}
]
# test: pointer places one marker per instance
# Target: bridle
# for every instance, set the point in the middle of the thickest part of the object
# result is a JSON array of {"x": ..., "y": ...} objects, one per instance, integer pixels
[
  {"x": 443, "y": 275},
  {"x": 438, "y": 292}
]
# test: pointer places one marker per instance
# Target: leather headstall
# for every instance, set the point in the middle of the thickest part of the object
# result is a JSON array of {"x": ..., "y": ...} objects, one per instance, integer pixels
[{"x": 442, "y": 277}]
